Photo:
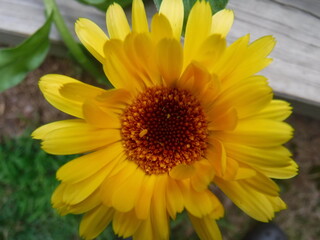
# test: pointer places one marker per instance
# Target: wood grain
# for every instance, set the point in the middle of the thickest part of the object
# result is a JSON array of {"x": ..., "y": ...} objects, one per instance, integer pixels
[{"x": 294, "y": 74}]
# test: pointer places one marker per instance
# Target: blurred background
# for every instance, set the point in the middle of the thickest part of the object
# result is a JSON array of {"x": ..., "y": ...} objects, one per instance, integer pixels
[{"x": 27, "y": 174}]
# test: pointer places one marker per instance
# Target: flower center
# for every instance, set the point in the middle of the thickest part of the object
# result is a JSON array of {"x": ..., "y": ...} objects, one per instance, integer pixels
[{"x": 162, "y": 128}]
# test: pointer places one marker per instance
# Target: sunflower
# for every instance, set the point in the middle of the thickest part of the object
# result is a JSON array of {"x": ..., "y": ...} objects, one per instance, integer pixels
[{"x": 181, "y": 119}]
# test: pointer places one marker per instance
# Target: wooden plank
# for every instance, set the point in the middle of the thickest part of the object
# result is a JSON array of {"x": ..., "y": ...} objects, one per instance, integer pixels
[
  {"x": 20, "y": 18},
  {"x": 294, "y": 74}
]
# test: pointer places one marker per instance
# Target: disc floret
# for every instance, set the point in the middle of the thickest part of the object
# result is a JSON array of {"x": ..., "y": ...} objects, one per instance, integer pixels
[{"x": 164, "y": 127}]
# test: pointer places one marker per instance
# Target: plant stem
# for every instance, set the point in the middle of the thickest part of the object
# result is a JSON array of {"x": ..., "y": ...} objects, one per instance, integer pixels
[{"x": 72, "y": 45}]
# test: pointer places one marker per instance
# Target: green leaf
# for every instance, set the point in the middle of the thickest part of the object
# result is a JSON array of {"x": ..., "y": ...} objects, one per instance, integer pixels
[
  {"x": 216, "y": 5},
  {"x": 157, "y": 3},
  {"x": 104, "y": 4},
  {"x": 17, "y": 62}
]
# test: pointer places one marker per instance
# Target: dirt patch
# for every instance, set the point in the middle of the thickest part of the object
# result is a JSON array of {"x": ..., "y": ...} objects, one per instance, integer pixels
[
  {"x": 301, "y": 219},
  {"x": 24, "y": 106}
]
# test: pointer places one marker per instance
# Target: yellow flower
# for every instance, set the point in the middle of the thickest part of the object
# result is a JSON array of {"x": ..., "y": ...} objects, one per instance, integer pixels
[{"x": 181, "y": 117}]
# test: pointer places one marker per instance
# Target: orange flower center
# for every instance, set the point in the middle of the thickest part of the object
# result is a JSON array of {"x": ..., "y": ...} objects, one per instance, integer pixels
[{"x": 162, "y": 128}]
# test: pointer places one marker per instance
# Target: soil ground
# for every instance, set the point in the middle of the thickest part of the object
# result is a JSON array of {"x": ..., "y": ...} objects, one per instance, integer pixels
[{"x": 24, "y": 107}]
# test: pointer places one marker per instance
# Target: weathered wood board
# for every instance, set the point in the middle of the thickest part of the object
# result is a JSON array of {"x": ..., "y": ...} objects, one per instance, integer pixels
[
  {"x": 295, "y": 72},
  {"x": 294, "y": 75}
]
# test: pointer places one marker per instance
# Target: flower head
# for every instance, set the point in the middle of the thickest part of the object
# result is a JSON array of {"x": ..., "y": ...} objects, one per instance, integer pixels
[{"x": 181, "y": 117}]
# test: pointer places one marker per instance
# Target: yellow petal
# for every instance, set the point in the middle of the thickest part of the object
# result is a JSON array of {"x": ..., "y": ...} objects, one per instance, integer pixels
[
  {"x": 248, "y": 97},
  {"x": 200, "y": 83},
  {"x": 125, "y": 224},
  {"x": 142, "y": 206},
  {"x": 174, "y": 198},
  {"x": 216, "y": 154},
  {"x": 87, "y": 165},
  {"x": 92, "y": 37},
  {"x": 274, "y": 162},
  {"x": 192, "y": 198},
  {"x": 277, "y": 203},
  {"x": 160, "y": 28},
  {"x": 230, "y": 59},
  {"x": 245, "y": 172},
  {"x": 258, "y": 133},
  {"x": 126, "y": 194},
  {"x": 174, "y": 11},
  {"x": 276, "y": 110},
  {"x": 169, "y": 58},
  {"x": 95, "y": 221},
  {"x": 222, "y": 22},
  {"x": 211, "y": 50},
  {"x": 117, "y": 24},
  {"x": 203, "y": 176},
  {"x": 226, "y": 120},
  {"x": 254, "y": 59},
  {"x": 197, "y": 29},
  {"x": 182, "y": 171},
  {"x": 119, "y": 68},
  {"x": 260, "y": 48},
  {"x": 232, "y": 168},
  {"x": 86, "y": 205},
  {"x": 158, "y": 211},
  {"x": 210, "y": 91},
  {"x": 96, "y": 116},
  {"x": 262, "y": 184},
  {"x": 139, "y": 17},
  {"x": 205, "y": 227},
  {"x": 271, "y": 156},
  {"x": 144, "y": 231},
  {"x": 256, "y": 204},
  {"x": 80, "y": 92},
  {"x": 140, "y": 49},
  {"x": 286, "y": 172},
  {"x": 114, "y": 100},
  {"x": 77, "y": 192},
  {"x": 79, "y": 138},
  {"x": 218, "y": 210},
  {"x": 51, "y": 85},
  {"x": 251, "y": 202},
  {"x": 120, "y": 176},
  {"x": 41, "y": 132},
  {"x": 56, "y": 198}
]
